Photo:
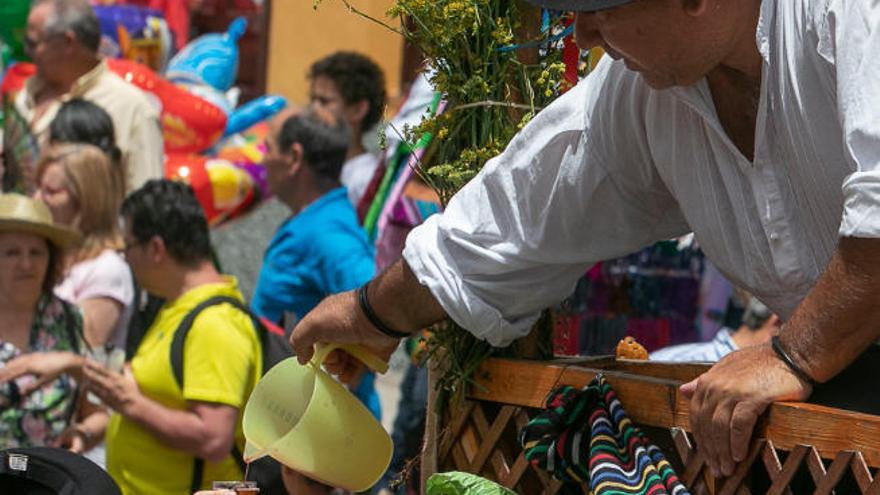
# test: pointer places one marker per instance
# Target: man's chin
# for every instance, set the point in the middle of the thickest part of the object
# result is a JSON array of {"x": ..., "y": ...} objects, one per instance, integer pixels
[{"x": 660, "y": 81}]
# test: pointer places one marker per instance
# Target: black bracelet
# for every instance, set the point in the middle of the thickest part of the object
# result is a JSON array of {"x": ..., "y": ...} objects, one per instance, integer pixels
[
  {"x": 368, "y": 312},
  {"x": 777, "y": 347}
]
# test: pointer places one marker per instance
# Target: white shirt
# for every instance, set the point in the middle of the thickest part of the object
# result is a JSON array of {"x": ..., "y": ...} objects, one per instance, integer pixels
[
  {"x": 357, "y": 172},
  {"x": 614, "y": 165},
  {"x": 106, "y": 275},
  {"x": 135, "y": 120},
  {"x": 699, "y": 352}
]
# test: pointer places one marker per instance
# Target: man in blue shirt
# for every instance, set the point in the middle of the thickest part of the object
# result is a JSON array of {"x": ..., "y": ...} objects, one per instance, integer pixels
[{"x": 321, "y": 249}]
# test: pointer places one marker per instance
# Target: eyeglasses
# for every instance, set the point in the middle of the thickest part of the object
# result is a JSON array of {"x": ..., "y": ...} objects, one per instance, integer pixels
[{"x": 31, "y": 44}]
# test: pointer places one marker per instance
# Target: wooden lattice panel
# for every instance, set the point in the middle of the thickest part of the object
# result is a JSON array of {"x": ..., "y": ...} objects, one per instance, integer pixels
[{"x": 481, "y": 435}]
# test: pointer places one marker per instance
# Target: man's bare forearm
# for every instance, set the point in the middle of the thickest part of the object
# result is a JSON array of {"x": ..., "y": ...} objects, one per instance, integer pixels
[
  {"x": 841, "y": 316},
  {"x": 401, "y": 301}
]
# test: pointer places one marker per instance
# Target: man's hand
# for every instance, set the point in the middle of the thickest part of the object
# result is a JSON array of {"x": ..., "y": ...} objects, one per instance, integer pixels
[
  {"x": 727, "y": 400},
  {"x": 339, "y": 320},
  {"x": 45, "y": 366},
  {"x": 118, "y": 391}
]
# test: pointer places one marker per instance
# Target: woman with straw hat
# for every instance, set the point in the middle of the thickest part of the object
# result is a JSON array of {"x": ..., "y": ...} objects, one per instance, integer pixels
[{"x": 38, "y": 331}]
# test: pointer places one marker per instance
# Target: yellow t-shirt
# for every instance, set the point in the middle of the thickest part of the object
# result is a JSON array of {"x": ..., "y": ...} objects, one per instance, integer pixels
[{"x": 221, "y": 364}]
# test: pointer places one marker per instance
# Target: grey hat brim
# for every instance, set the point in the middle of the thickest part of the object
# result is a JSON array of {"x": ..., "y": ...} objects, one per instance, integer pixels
[{"x": 579, "y": 5}]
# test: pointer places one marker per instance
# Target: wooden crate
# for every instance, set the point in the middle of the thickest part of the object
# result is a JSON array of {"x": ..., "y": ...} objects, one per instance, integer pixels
[{"x": 797, "y": 447}]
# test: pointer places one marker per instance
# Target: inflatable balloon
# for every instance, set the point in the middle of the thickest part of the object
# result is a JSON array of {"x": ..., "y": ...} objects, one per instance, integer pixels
[
  {"x": 189, "y": 123},
  {"x": 223, "y": 189},
  {"x": 211, "y": 59},
  {"x": 13, "y": 20},
  {"x": 15, "y": 77},
  {"x": 134, "y": 33},
  {"x": 254, "y": 111}
]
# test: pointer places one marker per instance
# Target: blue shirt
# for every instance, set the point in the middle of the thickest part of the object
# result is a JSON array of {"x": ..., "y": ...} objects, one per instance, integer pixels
[{"x": 319, "y": 252}]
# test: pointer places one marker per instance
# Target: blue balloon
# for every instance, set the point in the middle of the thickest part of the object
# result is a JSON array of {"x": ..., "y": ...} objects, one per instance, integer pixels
[
  {"x": 254, "y": 111},
  {"x": 211, "y": 59}
]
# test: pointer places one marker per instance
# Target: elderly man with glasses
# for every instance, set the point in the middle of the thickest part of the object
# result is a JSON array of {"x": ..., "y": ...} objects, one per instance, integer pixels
[{"x": 62, "y": 39}]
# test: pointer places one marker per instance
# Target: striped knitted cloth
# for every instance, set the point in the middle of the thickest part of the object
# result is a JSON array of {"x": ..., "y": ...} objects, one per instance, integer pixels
[{"x": 585, "y": 435}]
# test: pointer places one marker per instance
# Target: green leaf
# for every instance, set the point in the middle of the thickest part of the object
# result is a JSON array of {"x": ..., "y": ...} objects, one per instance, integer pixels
[{"x": 459, "y": 483}]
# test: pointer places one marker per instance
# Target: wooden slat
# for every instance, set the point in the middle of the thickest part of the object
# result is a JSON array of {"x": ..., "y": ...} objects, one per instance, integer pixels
[
  {"x": 733, "y": 484},
  {"x": 499, "y": 465},
  {"x": 860, "y": 472},
  {"x": 814, "y": 464},
  {"x": 680, "y": 372},
  {"x": 458, "y": 457},
  {"x": 657, "y": 402},
  {"x": 469, "y": 441},
  {"x": 460, "y": 416},
  {"x": 836, "y": 471},
  {"x": 491, "y": 437},
  {"x": 782, "y": 479},
  {"x": 516, "y": 472},
  {"x": 682, "y": 444}
]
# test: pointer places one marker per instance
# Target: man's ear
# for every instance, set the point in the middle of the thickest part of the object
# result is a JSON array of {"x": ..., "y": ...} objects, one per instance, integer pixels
[
  {"x": 70, "y": 40},
  {"x": 357, "y": 111},
  {"x": 697, "y": 8},
  {"x": 156, "y": 249},
  {"x": 297, "y": 158}
]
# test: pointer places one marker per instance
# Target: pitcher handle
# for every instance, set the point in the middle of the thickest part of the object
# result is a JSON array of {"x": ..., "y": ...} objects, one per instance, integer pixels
[{"x": 360, "y": 352}]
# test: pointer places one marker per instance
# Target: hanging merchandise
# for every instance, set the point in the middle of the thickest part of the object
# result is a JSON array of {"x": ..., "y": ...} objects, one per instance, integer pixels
[
  {"x": 653, "y": 295},
  {"x": 211, "y": 59},
  {"x": 585, "y": 436},
  {"x": 134, "y": 33},
  {"x": 223, "y": 189},
  {"x": 189, "y": 123},
  {"x": 253, "y": 112}
]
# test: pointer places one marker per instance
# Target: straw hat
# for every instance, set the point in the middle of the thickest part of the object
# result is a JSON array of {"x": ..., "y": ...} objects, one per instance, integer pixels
[{"x": 20, "y": 213}]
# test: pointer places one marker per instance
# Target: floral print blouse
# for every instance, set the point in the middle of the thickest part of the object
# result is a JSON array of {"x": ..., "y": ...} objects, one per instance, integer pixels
[{"x": 38, "y": 418}]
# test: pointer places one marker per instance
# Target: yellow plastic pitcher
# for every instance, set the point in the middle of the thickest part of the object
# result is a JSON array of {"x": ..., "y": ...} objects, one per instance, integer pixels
[{"x": 308, "y": 421}]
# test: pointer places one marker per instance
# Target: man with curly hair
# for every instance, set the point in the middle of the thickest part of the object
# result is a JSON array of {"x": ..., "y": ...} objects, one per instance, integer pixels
[{"x": 351, "y": 87}]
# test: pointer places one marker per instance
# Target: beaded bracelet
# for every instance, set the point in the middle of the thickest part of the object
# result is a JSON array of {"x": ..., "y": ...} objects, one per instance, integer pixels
[
  {"x": 780, "y": 351},
  {"x": 368, "y": 312}
]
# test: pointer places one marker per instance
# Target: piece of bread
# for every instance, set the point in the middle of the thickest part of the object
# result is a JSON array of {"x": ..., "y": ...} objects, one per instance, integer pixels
[{"x": 628, "y": 348}]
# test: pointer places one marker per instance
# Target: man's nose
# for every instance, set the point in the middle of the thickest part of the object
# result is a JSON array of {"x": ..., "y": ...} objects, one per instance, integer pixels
[{"x": 586, "y": 30}]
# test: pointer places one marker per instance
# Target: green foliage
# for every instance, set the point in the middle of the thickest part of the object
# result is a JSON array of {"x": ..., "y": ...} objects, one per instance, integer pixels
[
  {"x": 491, "y": 90},
  {"x": 459, "y": 483}
]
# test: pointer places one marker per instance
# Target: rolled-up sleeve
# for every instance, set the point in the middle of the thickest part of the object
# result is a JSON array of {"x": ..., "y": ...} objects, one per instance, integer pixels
[
  {"x": 853, "y": 41},
  {"x": 516, "y": 238}
]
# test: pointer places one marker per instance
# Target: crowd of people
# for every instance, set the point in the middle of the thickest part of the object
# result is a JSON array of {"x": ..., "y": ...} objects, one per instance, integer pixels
[
  {"x": 105, "y": 262},
  {"x": 123, "y": 340}
]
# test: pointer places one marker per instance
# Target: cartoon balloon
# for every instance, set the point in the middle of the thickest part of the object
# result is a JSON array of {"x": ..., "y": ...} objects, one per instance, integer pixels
[
  {"x": 135, "y": 33},
  {"x": 13, "y": 20},
  {"x": 210, "y": 59},
  {"x": 15, "y": 77},
  {"x": 223, "y": 189},
  {"x": 189, "y": 124},
  {"x": 254, "y": 111}
]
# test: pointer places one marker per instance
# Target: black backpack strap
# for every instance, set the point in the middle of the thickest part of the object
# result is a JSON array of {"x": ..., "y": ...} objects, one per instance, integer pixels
[
  {"x": 185, "y": 326},
  {"x": 177, "y": 366}
]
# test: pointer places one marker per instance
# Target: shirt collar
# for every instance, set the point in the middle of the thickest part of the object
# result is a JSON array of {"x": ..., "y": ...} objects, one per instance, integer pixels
[
  {"x": 79, "y": 88},
  {"x": 762, "y": 34}
]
